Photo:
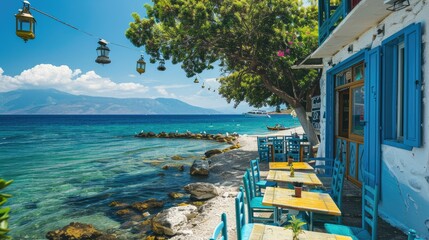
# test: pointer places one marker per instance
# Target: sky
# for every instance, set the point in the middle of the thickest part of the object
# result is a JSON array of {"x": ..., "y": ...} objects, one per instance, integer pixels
[{"x": 63, "y": 58}]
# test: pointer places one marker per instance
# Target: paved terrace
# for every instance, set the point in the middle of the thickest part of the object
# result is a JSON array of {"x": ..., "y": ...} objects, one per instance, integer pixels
[{"x": 352, "y": 210}]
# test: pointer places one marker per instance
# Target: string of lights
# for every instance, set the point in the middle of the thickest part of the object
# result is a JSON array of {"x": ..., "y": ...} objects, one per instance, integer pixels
[{"x": 25, "y": 29}]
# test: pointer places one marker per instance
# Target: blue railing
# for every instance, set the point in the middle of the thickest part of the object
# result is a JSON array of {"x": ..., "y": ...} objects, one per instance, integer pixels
[{"x": 331, "y": 15}]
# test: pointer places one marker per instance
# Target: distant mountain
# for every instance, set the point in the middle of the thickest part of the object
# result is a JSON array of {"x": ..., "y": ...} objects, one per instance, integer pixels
[{"x": 50, "y": 101}]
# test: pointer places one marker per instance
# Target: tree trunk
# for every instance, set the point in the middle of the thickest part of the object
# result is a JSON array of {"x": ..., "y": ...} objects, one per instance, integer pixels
[{"x": 306, "y": 125}]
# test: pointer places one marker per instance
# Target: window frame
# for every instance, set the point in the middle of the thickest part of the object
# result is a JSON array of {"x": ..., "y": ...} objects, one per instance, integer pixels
[{"x": 390, "y": 76}]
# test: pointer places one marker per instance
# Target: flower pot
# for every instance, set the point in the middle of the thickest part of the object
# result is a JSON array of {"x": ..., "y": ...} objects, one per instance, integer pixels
[{"x": 298, "y": 191}]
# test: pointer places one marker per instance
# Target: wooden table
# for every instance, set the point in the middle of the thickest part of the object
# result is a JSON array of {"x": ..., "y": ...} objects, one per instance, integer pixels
[
  {"x": 284, "y": 176},
  {"x": 312, "y": 202},
  {"x": 267, "y": 232},
  {"x": 285, "y": 166}
]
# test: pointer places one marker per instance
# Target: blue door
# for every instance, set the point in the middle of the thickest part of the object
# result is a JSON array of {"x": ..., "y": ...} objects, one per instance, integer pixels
[{"x": 370, "y": 165}]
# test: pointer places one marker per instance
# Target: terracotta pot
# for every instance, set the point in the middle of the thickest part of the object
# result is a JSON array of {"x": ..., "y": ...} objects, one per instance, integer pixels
[{"x": 298, "y": 191}]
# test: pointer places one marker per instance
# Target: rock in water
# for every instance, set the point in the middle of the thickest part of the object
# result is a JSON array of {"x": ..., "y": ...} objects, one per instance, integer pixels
[
  {"x": 150, "y": 203},
  {"x": 212, "y": 152},
  {"x": 76, "y": 231},
  {"x": 200, "y": 168},
  {"x": 170, "y": 221},
  {"x": 201, "y": 191}
]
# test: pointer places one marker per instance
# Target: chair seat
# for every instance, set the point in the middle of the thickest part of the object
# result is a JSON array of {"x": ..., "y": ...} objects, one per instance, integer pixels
[
  {"x": 266, "y": 184},
  {"x": 246, "y": 230},
  {"x": 256, "y": 202},
  {"x": 355, "y": 233}
]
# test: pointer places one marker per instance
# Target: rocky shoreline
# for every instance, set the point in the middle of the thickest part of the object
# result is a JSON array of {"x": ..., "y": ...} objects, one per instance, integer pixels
[{"x": 196, "y": 216}]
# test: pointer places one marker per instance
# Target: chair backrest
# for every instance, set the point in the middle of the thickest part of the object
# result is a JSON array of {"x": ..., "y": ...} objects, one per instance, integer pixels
[
  {"x": 263, "y": 148},
  {"x": 255, "y": 177},
  {"x": 370, "y": 209},
  {"x": 240, "y": 215},
  {"x": 221, "y": 230},
  {"x": 293, "y": 145},
  {"x": 335, "y": 169},
  {"x": 337, "y": 187},
  {"x": 248, "y": 189},
  {"x": 279, "y": 150}
]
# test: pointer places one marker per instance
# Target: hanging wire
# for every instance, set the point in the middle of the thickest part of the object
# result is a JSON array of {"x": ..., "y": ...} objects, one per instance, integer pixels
[{"x": 80, "y": 30}]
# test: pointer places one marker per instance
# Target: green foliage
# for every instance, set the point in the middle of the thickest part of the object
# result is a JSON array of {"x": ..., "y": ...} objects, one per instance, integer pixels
[
  {"x": 242, "y": 37},
  {"x": 4, "y": 212},
  {"x": 296, "y": 226}
]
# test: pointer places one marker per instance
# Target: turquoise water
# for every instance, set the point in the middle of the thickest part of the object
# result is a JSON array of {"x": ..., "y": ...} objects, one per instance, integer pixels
[{"x": 69, "y": 168}]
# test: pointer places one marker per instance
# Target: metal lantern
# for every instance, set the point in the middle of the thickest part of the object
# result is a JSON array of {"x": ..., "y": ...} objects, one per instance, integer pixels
[
  {"x": 25, "y": 23},
  {"x": 196, "y": 80},
  {"x": 102, "y": 52},
  {"x": 161, "y": 66},
  {"x": 202, "y": 86},
  {"x": 141, "y": 65}
]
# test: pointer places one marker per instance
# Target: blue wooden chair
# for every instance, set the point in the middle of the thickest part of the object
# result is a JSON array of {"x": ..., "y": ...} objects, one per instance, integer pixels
[
  {"x": 369, "y": 218},
  {"x": 336, "y": 193},
  {"x": 221, "y": 230},
  {"x": 293, "y": 145},
  {"x": 256, "y": 178},
  {"x": 263, "y": 151},
  {"x": 243, "y": 229},
  {"x": 412, "y": 235},
  {"x": 254, "y": 203},
  {"x": 279, "y": 150}
]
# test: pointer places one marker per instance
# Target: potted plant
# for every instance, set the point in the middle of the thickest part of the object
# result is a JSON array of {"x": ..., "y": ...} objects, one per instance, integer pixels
[
  {"x": 292, "y": 171},
  {"x": 4, "y": 212},
  {"x": 298, "y": 189},
  {"x": 296, "y": 226}
]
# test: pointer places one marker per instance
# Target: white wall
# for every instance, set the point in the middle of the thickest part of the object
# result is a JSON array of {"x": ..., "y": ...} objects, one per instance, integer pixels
[{"x": 405, "y": 174}]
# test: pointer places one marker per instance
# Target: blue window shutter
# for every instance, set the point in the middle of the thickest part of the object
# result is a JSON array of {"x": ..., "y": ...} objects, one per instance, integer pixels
[
  {"x": 412, "y": 86},
  {"x": 372, "y": 146}
]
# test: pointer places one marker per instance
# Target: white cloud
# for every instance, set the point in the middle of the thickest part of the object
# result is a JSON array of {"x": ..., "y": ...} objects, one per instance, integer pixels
[
  {"x": 72, "y": 81},
  {"x": 162, "y": 89},
  {"x": 132, "y": 75}
]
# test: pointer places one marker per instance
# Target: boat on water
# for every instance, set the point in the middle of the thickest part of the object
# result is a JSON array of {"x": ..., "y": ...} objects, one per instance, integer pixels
[
  {"x": 257, "y": 113},
  {"x": 277, "y": 127}
]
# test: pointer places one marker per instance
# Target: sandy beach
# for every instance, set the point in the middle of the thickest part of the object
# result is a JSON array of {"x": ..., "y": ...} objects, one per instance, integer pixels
[{"x": 228, "y": 168}]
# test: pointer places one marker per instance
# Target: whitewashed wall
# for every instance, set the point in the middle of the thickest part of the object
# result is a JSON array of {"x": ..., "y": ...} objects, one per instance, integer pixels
[{"x": 405, "y": 174}]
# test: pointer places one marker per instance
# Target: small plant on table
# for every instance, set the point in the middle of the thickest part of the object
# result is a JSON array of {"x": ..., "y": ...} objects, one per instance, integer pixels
[{"x": 296, "y": 226}]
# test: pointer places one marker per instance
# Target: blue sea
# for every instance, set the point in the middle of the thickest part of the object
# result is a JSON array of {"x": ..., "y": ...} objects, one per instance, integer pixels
[{"x": 69, "y": 168}]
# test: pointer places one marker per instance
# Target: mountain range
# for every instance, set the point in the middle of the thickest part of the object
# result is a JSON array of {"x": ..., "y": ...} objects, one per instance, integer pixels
[{"x": 51, "y": 101}]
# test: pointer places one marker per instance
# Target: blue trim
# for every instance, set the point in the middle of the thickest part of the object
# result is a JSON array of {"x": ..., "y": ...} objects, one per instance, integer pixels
[
  {"x": 330, "y": 99},
  {"x": 396, "y": 144}
]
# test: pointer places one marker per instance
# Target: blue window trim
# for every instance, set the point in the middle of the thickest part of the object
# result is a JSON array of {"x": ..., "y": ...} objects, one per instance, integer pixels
[
  {"x": 330, "y": 99},
  {"x": 396, "y": 144},
  {"x": 412, "y": 85}
]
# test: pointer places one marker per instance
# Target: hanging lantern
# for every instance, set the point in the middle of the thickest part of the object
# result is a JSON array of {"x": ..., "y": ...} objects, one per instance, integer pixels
[
  {"x": 208, "y": 88},
  {"x": 141, "y": 65},
  {"x": 196, "y": 80},
  {"x": 202, "y": 86},
  {"x": 161, "y": 66},
  {"x": 25, "y": 23},
  {"x": 102, "y": 52}
]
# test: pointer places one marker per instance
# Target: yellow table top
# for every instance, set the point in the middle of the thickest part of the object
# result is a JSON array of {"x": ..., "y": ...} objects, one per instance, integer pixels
[
  {"x": 266, "y": 232},
  {"x": 284, "y": 176},
  {"x": 309, "y": 201},
  {"x": 285, "y": 166}
]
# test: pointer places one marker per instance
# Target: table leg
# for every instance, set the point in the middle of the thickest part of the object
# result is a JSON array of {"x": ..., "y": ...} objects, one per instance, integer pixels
[
  {"x": 276, "y": 216},
  {"x": 311, "y": 221}
]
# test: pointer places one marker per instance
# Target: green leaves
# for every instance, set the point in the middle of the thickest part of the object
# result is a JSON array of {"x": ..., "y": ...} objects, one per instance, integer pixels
[
  {"x": 296, "y": 226},
  {"x": 241, "y": 36},
  {"x": 4, "y": 212}
]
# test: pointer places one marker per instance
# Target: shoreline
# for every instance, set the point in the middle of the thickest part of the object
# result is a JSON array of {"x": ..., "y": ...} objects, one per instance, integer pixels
[{"x": 229, "y": 168}]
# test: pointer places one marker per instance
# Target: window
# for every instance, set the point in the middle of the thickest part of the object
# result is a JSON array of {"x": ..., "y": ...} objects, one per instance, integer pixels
[
  {"x": 350, "y": 102},
  {"x": 401, "y": 88}
]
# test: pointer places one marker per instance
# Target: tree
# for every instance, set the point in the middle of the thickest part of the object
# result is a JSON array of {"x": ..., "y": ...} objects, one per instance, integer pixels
[{"x": 255, "y": 43}]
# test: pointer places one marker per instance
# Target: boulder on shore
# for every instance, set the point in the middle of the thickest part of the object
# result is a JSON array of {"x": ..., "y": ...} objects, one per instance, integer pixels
[
  {"x": 200, "y": 168},
  {"x": 201, "y": 190},
  {"x": 150, "y": 203},
  {"x": 212, "y": 152},
  {"x": 170, "y": 221},
  {"x": 78, "y": 231}
]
